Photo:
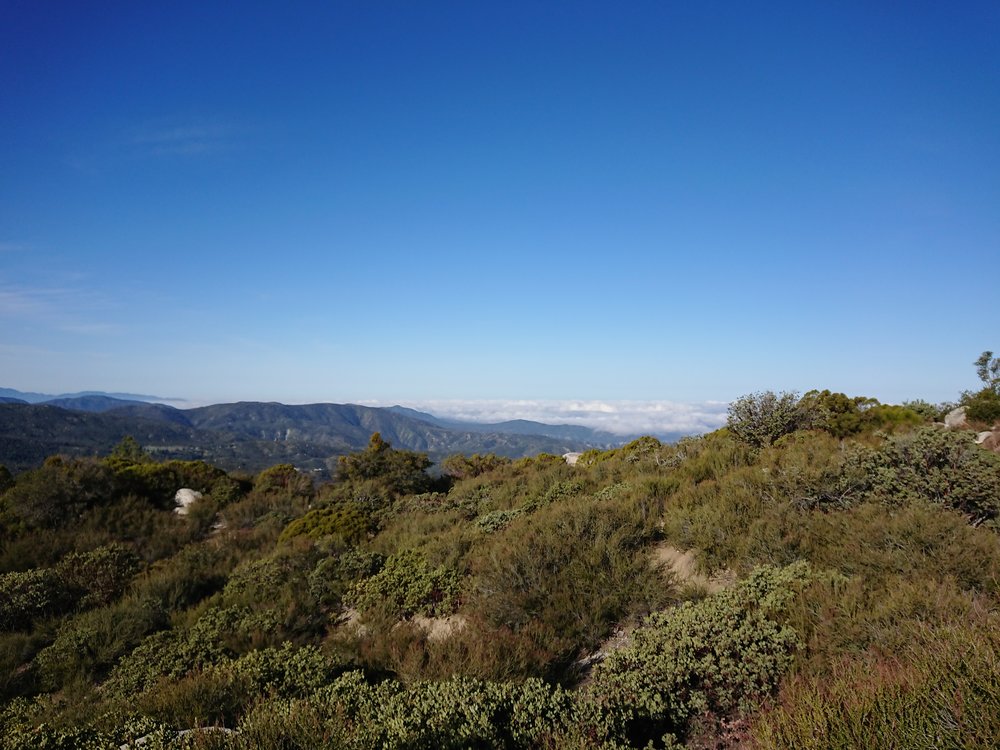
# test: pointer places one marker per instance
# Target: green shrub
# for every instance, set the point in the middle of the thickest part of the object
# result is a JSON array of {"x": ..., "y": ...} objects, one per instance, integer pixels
[
  {"x": 397, "y": 472},
  {"x": 222, "y": 692},
  {"x": 334, "y": 575},
  {"x": 194, "y": 573},
  {"x": 347, "y": 520},
  {"x": 561, "y": 578},
  {"x": 102, "y": 574},
  {"x": 218, "y": 634},
  {"x": 758, "y": 419},
  {"x": 497, "y": 520},
  {"x": 453, "y": 714},
  {"x": 87, "y": 646},
  {"x": 720, "y": 655},
  {"x": 464, "y": 467},
  {"x": 80, "y": 580},
  {"x": 405, "y": 586},
  {"x": 60, "y": 492},
  {"x": 25, "y": 597},
  {"x": 982, "y": 407},
  {"x": 17, "y": 675},
  {"x": 940, "y": 466}
]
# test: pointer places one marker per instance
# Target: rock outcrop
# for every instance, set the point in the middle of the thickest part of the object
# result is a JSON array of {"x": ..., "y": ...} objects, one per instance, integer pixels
[
  {"x": 184, "y": 498},
  {"x": 956, "y": 420}
]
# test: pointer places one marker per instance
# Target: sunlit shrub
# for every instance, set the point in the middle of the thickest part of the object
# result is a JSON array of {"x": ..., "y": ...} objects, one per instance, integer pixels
[
  {"x": 941, "y": 466},
  {"x": 347, "y": 520},
  {"x": 720, "y": 655},
  {"x": 406, "y": 585}
]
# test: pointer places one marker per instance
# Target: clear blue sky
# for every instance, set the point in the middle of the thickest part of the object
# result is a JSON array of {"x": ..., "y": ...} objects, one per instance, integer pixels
[{"x": 402, "y": 201}]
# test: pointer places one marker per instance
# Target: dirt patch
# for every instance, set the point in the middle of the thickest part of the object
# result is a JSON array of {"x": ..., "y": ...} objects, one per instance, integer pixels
[
  {"x": 350, "y": 620},
  {"x": 440, "y": 628},
  {"x": 684, "y": 565}
]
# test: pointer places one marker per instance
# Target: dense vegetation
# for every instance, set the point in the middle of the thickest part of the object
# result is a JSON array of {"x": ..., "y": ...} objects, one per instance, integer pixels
[
  {"x": 251, "y": 436},
  {"x": 845, "y": 594}
]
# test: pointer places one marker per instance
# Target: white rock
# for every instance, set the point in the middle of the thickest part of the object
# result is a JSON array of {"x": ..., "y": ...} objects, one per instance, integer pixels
[
  {"x": 955, "y": 419},
  {"x": 184, "y": 498},
  {"x": 572, "y": 458},
  {"x": 981, "y": 437}
]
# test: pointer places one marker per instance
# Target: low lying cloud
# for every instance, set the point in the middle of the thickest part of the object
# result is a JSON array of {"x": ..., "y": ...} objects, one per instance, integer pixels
[{"x": 618, "y": 417}]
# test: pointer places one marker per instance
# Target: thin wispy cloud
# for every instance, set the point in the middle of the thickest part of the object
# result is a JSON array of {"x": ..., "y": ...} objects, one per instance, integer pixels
[
  {"x": 186, "y": 139},
  {"x": 66, "y": 309},
  {"x": 618, "y": 417}
]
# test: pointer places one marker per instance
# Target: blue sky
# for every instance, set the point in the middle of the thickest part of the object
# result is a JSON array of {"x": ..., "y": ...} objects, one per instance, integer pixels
[{"x": 422, "y": 202}]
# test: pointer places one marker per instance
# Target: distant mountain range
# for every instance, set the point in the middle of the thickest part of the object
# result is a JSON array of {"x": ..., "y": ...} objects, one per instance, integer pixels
[{"x": 250, "y": 436}]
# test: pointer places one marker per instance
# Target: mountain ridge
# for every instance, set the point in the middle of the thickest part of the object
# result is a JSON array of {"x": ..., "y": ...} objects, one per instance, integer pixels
[{"x": 252, "y": 435}]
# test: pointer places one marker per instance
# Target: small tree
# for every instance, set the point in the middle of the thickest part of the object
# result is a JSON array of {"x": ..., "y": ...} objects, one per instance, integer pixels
[
  {"x": 398, "y": 472},
  {"x": 758, "y": 419},
  {"x": 988, "y": 370}
]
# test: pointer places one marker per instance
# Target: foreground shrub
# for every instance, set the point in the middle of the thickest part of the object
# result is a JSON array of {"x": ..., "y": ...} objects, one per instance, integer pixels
[
  {"x": 25, "y": 597},
  {"x": 982, "y": 407},
  {"x": 563, "y": 577},
  {"x": 221, "y": 693},
  {"x": 718, "y": 656},
  {"x": 940, "y": 690},
  {"x": 451, "y": 715},
  {"x": 88, "y": 645},
  {"x": 219, "y": 634}
]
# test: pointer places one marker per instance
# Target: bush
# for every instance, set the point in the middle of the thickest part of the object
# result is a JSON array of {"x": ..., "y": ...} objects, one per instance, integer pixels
[
  {"x": 222, "y": 692},
  {"x": 717, "y": 656},
  {"x": 334, "y": 575},
  {"x": 405, "y": 586},
  {"x": 26, "y": 597},
  {"x": 218, "y": 634},
  {"x": 940, "y": 466},
  {"x": 466, "y": 467},
  {"x": 101, "y": 575},
  {"x": 88, "y": 646},
  {"x": 346, "y": 520},
  {"x": 453, "y": 714},
  {"x": 758, "y": 419},
  {"x": 982, "y": 407},
  {"x": 60, "y": 492},
  {"x": 194, "y": 573},
  {"x": 283, "y": 479},
  {"x": 561, "y": 578}
]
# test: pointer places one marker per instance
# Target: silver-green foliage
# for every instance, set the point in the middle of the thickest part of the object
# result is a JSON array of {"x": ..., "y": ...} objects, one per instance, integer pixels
[
  {"x": 497, "y": 520},
  {"x": 458, "y": 713},
  {"x": 718, "y": 655},
  {"x": 407, "y": 585},
  {"x": 758, "y": 419},
  {"x": 936, "y": 465}
]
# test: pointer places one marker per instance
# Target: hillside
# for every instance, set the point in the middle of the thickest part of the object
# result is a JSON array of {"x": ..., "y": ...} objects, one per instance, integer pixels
[
  {"x": 250, "y": 436},
  {"x": 823, "y": 568}
]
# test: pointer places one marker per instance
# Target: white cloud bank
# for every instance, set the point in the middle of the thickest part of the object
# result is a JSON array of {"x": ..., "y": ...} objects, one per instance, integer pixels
[{"x": 619, "y": 417}]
